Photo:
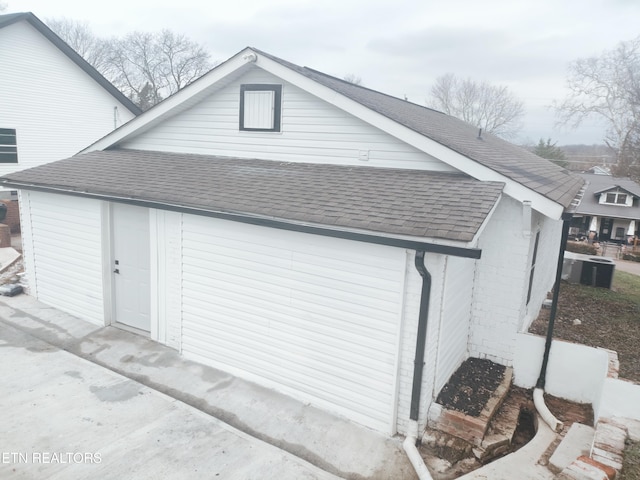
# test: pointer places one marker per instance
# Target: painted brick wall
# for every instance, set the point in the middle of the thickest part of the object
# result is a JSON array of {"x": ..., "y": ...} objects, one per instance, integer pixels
[
  {"x": 500, "y": 280},
  {"x": 13, "y": 215},
  {"x": 546, "y": 264},
  {"x": 500, "y": 307},
  {"x": 413, "y": 287}
]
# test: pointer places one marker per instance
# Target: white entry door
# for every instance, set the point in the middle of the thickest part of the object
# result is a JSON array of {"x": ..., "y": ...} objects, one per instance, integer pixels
[{"x": 131, "y": 273}]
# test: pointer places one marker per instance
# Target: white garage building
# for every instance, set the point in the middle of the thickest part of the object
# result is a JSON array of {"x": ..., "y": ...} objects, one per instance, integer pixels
[{"x": 309, "y": 234}]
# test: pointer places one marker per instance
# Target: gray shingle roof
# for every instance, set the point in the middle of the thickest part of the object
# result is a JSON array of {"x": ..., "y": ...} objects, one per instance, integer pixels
[
  {"x": 526, "y": 168},
  {"x": 396, "y": 202},
  {"x": 599, "y": 183}
]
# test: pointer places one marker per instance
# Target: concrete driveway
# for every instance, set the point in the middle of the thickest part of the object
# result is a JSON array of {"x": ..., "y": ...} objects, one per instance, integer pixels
[
  {"x": 64, "y": 417},
  {"x": 71, "y": 386}
]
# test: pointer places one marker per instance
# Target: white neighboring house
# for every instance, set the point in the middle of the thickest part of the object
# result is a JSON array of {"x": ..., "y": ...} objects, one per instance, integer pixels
[
  {"x": 610, "y": 208},
  {"x": 52, "y": 102},
  {"x": 314, "y": 236}
]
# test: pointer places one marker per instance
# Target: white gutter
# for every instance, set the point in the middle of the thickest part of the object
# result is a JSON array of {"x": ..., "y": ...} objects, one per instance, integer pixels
[{"x": 415, "y": 458}]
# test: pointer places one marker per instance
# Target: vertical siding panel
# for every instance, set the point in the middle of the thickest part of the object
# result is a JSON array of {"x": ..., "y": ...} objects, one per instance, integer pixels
[
  {"x": 24, "y": 197},
  {"x": 66, "y": 234},
  {"x": 315, "y": 317},
  {"x": 169, "y": 280}
]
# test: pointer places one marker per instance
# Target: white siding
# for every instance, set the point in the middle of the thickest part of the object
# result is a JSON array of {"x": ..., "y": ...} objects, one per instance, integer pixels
[
  {"x": 312, "y": 131},
  {"x": 435, "y": 265},
  {"x": 55, "y": 107},
  {"x": 315, "y": 317},
  {"x": 64, "y": 239},
  {"x": 166, "y": 277},
  {"x": 455, "y": 318}
]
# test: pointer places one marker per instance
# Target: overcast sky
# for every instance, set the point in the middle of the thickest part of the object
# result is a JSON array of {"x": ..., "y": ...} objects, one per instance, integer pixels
[{"x": 396, "y": 46}]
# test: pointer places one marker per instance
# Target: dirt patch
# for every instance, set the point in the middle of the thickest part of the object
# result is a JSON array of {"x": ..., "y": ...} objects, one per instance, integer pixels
[
  {"x": 470, "y": 387},
  {"x": 600, "y": 317}
]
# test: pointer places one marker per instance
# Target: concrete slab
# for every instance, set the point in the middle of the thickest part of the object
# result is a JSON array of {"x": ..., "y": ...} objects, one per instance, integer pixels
[
  {"x": 620, "y": 399},
  {"x": 576, "y": 442},
  {"x": 64, "y": 417},
  {"x": 325, "y": 440}
]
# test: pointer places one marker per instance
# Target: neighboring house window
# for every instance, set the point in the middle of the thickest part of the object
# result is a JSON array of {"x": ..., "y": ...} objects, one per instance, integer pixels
[
  {"x": 533, "y": 266},
  {"x": 8, "y": 146},
  {"x": 260, "y": 107},
  {"x": 616, "y": 198}
]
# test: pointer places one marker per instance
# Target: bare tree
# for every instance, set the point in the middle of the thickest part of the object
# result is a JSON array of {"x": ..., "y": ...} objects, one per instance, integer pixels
[
  {"x": 490, "y": 107},
  {"x": 80, "y": 37},
  {"x": 608, "y": 87},
  {"x": 352, "y": 78},
  {"x": 147, "y": 67}
]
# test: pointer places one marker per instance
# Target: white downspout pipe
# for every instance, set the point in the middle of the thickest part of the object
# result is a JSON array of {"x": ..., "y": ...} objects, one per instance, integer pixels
[
  {"x": 414, "y": 456},
  {"x": 548, "y": 417}
]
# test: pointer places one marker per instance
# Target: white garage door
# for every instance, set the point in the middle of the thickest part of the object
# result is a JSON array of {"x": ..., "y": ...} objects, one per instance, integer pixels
[{"x": 312, "y": 316}]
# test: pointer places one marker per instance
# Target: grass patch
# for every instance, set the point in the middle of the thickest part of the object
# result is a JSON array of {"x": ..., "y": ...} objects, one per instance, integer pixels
[
  {"x": 609, "y": 319},
  {"x": 631, "y": 463}
]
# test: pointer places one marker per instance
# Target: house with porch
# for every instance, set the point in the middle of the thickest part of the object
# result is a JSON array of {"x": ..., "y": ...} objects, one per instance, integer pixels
[
  {"x": 329, "y": 241},
  {"x": 610, "y": 209}
]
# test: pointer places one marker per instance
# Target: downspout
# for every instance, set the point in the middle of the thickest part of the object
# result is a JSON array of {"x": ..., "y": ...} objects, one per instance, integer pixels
[
  {"x": 538, "y": 393},
  {"x": 411, "y": 439}
]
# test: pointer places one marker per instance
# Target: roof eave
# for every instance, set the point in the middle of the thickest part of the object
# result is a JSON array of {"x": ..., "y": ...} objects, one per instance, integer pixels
[{"x": 432, "y": 245}]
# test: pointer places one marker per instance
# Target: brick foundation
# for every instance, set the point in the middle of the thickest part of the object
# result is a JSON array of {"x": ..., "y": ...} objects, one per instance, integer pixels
[{"x": 13, "y": 215}]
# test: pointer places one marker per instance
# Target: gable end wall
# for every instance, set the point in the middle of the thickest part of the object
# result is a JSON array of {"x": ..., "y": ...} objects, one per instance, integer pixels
[
  {"x": 54, "y": 106},
  {"x": 312, "y": 131}
]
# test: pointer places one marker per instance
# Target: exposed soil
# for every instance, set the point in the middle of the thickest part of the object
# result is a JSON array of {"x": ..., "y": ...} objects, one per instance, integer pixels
[
  {"x": 470, "y": 387},
  {"x": 600, "y": 317}
]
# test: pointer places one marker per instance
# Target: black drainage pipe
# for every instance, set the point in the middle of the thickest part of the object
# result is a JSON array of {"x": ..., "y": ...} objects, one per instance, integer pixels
[
  {"x": 423, "y": 317},
  {"x": 554, "y": 304}
]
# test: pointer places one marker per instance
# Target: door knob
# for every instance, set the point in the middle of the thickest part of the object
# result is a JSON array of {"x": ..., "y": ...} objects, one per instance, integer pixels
[{"x": 117, "y": 270}]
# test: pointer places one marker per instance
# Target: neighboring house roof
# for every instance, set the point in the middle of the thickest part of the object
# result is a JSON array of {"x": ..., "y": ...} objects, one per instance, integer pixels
[
  {"x": 398, "y": 202},
  {"x": 487, "y": 158},
  {"x": 599, "y": 170},
  {"x": 11, "y": 18},
  {"x": 598, "y": 184}
]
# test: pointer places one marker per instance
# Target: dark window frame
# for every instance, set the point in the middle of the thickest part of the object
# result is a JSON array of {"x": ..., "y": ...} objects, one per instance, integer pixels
[
  {"x": 277, "y": 105},
  {"x": 615, "y": 198},
  {"x": 8, "y": 145}
]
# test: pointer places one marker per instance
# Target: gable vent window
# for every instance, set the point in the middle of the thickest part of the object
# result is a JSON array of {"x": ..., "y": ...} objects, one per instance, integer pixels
[
  {"x": 260, "y": 107},
  {"x": 8, "y": 146}
]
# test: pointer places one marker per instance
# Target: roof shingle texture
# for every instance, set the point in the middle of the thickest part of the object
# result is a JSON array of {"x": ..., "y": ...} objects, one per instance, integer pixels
[
  {"x": 395, "y": 202},
  {"x": 516, "y": 163}
]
